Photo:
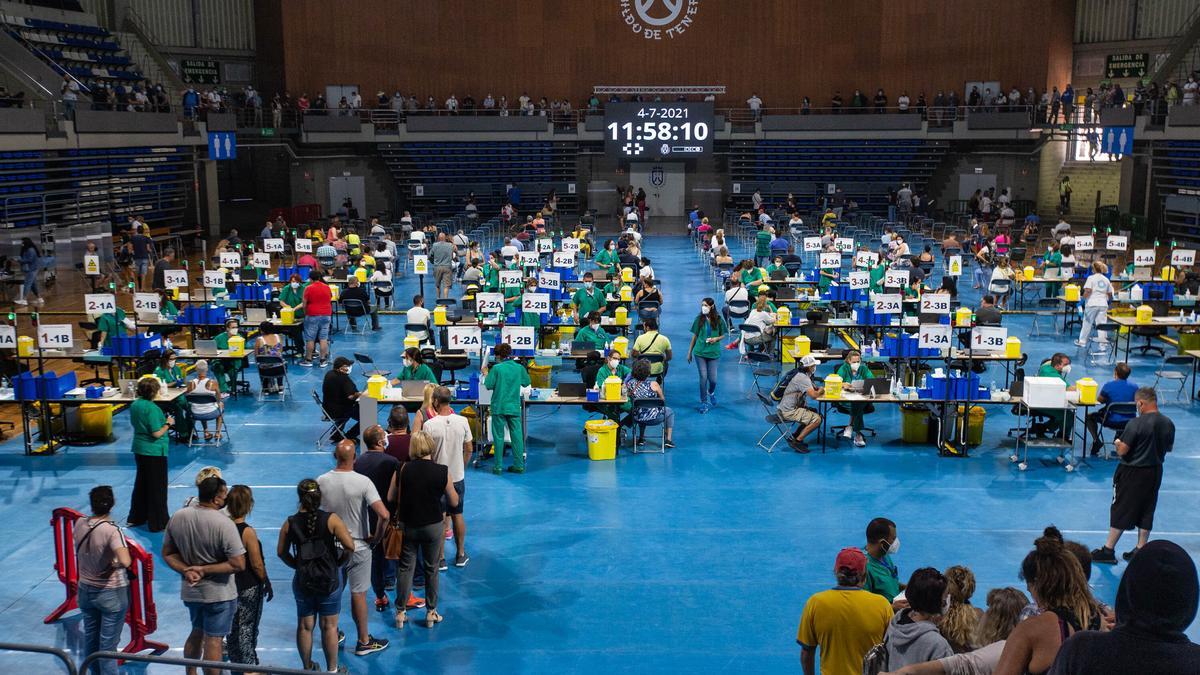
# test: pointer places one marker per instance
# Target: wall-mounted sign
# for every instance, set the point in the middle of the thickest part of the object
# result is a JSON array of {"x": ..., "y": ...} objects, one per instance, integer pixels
[{"x": 200, "y": 71}]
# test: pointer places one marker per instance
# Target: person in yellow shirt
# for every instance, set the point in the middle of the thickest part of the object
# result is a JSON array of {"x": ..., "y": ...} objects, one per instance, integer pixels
[{"x": 844, "y": 622}]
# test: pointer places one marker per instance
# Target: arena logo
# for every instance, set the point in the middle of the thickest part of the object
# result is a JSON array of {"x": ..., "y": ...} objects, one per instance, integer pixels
[
  {"x": 657, "y": 176},
  {"x": 652, "y": 22}
]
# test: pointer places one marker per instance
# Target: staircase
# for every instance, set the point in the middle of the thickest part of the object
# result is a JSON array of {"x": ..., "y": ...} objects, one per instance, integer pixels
[
  {"x": 1087, "y": 179},
  {"x": 140, "y": 45}
]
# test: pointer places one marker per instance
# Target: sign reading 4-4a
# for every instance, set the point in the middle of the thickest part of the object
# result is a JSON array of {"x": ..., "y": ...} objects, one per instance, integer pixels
[{"x": 222, "y": 145}]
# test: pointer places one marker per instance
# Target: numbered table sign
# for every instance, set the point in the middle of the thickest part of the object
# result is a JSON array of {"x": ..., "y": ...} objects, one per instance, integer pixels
[
  {"x": 260, "y": 260},
  {"x": 145, "y": 302},
  {"x": 955, "y": 266},
  {"x": 466, "y": 338},
  {"x": 230, "y": 260},
  {"x": 91, "y": 265},
  {"x": 1085, "y": 243},
  {"x": 518, "y": 337},
  {"x": 893, "y": 278},
  {"x": 528, "y": 258},
  {"x": 563, "y": 259},
  {"x": 812, "y": 244},
  {"x": 859, "y": 280},
  {"x": 935, "y": 303},
  {"x": 831, "y": 261},
  {"x": 933, "y": 336},
  {"x": 844, "y": 244},
  {"x": 535, "y": 303},
  {"x": 214, "y": 278},
  {"x": 54, "y": 336},
  {"x": 551, "y": 281},
  {"x": 866, "y": 259},
  {"x": 1144, "y": 257},
  {"x": 489, "y": 303},
  {"x": 545, "y": 245},
  {"x": 99, "y": 303},
  {"x": 570, "y": 245},
  {"x": 303, "y": 246},
  {"x": 1116, "y": 243},
  {"x": 510, "y": 278},
  {"x": 988, "y": 338},
  {"x": 8, "y": 337},
  {"x": 888, "y": 303},
  {"x": 175, "y": 278},
  {"x": 420, "y": 264},
  {"x": 1183, "y": 257},
  {"x": 273, "y": 245}
]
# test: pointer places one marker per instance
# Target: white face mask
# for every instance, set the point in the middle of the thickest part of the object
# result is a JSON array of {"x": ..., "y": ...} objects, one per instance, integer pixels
[
  {"x": 407, "y": 363},
  {"x": 349, "y": 368},
  {"x": 893, "y": 548},
  {"x": 233, "y": 330},
  {"x": 295, "y": 285},
  {"x": 1066, "y": 370},
  {"x": 588, "y": 285},
  {"x": 854, "y": 366},
  {"x": 704, "y": 309},
  {"x": 613, "y": 363},
  {"x": 170, "y": 364}
]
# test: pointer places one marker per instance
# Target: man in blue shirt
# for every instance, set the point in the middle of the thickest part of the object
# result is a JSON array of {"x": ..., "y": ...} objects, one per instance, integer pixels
[{"x": 1119, "y": 390}]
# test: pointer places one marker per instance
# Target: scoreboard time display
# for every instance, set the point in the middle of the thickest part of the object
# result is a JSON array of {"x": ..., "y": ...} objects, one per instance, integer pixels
[{"x": 658, "y": 130}]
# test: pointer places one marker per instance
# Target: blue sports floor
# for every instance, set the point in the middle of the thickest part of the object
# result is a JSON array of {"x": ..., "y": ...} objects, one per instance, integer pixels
[{"x": 696, "y": 561}]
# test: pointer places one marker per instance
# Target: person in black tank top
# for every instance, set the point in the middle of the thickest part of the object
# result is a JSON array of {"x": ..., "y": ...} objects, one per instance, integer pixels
[
  {"x": 253, "y": 585},
  {"x": 422, "y": 486}
]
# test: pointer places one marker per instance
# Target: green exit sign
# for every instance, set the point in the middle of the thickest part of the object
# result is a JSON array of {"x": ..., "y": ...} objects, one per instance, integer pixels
[{"x": 267, "y": 131}]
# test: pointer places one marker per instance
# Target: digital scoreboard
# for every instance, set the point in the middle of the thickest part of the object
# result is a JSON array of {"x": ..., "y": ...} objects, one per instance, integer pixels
[{"x": 658, "y": 130}]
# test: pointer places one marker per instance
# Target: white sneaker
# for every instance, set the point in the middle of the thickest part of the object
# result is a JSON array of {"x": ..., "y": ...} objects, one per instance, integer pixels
[
  {"x": 1080, "y": 344},
  {"x": 847, "y": 433},
  {"x": 19, "y": 301},
  {"x": 40, "y": 301},
  {"x": 859, "y": 441}
]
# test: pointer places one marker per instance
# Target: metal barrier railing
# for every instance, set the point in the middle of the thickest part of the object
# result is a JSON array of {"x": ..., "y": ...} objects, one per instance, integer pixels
[
  {"x": 39, "y": 649},
  {"x": 191, "y": 663}
]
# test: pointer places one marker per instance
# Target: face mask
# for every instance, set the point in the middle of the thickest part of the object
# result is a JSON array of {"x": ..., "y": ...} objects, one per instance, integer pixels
[
  {"x": 349, "y": 368},
  {"x": 1066, "y": 370},
  {"x": 704, "y": 309},
  {"x": 295, "y": 285},
  {"x": 588, "y": 285},
  {"x": 613, "y": 363},
  {"x": 233, "y": 330},
  {"x": 612, "y": 247},
  {"x": 1049, "y": 249},
  {"x": 854, "y": 367},
  {"x": 946, "y": 604},
  {"x": 407, "y": 363},
  {"x": 892, "y": 548},
  {"x": 170, "y": 364}
]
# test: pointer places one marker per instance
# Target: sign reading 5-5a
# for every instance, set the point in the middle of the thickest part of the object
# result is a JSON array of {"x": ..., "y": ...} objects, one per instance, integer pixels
[{"x": 658, "y": 130}]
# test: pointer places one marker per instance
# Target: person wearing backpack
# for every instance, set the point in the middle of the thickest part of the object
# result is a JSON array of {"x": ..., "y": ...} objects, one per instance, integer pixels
[
  {"x": 102, "y": 557},
  {"x": 306, "y": 544}
]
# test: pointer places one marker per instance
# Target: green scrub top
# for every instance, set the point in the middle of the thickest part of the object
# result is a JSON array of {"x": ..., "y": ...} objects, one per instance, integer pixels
[
  {"x": 704, "y": 330},
  {"x": 505, "y": 379},
  {"x": 421, "y": 372},
  {"x": 169, "y": 375},
  {"x": 112, "y": 325},
  {"x": 596, "y": 336},
  {"x": 146, "y": 418},
  {"x": 586, "y": 303}
]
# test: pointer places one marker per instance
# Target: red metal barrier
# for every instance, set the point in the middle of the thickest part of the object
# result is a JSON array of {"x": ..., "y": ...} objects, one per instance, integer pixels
[
  {"x": 63, "y": 522},
  {"x": 142, "y": 617},
  {"x": 303, "y": 214}
]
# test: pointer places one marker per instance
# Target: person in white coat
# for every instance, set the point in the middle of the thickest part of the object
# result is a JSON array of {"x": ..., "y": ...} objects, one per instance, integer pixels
[{"x": 1097, "y": 292}]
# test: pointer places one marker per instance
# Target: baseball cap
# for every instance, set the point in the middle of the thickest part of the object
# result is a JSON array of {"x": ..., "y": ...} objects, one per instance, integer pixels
[
  {"x": 852, "y": 559},
  {"x": 808, "y": 361}
]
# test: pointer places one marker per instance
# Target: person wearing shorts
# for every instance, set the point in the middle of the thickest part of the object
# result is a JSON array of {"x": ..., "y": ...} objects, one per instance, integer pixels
[
  {"x": 791, "y": 405},
  {"x": 317, "y": 304},
  {"x": 1142, "y": 447},
  {"x": 442, "y": 255}
]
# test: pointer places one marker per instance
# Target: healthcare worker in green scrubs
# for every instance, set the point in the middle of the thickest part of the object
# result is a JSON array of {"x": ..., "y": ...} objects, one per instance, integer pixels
[
  {"x": 708, "y": 329},
  {"x": 505, "y": 380}
]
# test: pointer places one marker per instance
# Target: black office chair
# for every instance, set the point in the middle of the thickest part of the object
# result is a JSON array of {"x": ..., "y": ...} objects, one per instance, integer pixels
[
  {"x": 92, "y": 331},
  {"x": 429, "y": 356},
  {"x": 453, "y": 360},
  {"x": 1149, "y": 333}
]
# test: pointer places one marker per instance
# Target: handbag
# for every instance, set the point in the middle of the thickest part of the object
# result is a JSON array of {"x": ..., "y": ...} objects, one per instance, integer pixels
[{"x": 393, "y": 538}]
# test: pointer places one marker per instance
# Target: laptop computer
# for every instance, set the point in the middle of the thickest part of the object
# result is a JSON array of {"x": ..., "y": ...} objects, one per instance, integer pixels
[
  {"x": 876, "y": 386},
  {"x": 785, "y": 293},
  {"x": 599, "y": 276},
  {"x": 572, "y": 389},
  {"x": 582, "y": 347},
  {"x": 412, "y": 388},
  {"x": 149, "y": 317},
  {"x": 778, "y": 275},
  {"x": 205, "y": 346},
  {"x": 256, "y": 315},
  {"x": 1142, "y": 274}
]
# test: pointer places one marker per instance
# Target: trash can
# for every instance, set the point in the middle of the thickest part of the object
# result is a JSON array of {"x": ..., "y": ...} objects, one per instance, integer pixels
[
  {"x": 914, "y": 424},
  {"x": 974, "y": 423},
  {"x": 601, "y": 439},
  {"x": 539, "y": 376},
  {"x": 1189, "y": 342},
  {"x": 472, "y": 421}
]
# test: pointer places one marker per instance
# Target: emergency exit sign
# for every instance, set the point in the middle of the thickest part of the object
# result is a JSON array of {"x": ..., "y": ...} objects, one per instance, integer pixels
[{"x": 1126, "y": 65}]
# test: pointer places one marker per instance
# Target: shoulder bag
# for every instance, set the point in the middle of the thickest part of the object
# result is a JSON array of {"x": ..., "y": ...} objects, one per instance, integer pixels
[{"x": 393, "y": 539}]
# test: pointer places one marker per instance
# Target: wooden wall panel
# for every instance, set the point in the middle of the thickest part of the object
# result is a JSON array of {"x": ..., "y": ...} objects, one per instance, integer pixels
[{"x": 783, "y": 49}]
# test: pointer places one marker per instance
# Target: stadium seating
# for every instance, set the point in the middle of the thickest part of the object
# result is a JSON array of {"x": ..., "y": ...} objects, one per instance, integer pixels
[{"x": 89, "y": 53}]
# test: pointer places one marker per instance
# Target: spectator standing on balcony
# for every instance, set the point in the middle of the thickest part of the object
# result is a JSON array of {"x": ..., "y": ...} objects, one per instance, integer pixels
[
  {"x": 939, "y": 107},
  {"x": 255, "y": 103},
  {"x": 1068, "y": 102},
  {"x": 1190, "y": 89},
  {"x": 489, "y": 103},
  {"x": 303, "y": 104},
  {"x": 276, "y": 112},
  {"x": 902, "y": 102},
  {"x": 755, "y": 104},
  {"x": 880, "y": 102},
  {"x": 805, "y": 106},
  {"x": 355, "y": 100},
  {"x": 70, "y": 96},
  {"x": 858, "y": 103},
  {"x": 989, "y": 100},
  {"x": 835, "y": 103},
  {"x": 452, "y": 105},
  {"x": 100, "y": 97},
  {"x": 502, "y": 105},
  {"x": 973, "y": 99}
]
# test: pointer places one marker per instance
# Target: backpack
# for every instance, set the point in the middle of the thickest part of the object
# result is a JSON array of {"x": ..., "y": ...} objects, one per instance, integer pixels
[
  {"x": 317, "y": 571},
  {"x": 875, "y": 661},
  {"x": 782, "y": 384}
]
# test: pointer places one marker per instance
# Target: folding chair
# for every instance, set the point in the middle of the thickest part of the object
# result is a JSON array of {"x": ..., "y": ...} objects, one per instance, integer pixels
[
  {"x": 273, "y": 367},
  {"x": 778, "y": 425},
  {"x": 1176, "y": 368},
  {"x": 369, "y": 366},
  {"x": 357, "y": 317},
  {"x": 1047, "y": 308},
  {"x": 764, "y": 365},
  {"x": 1127, "y": 410},
  {"x": 644, "y": 404},
  {"x": 420, "y": 331},
  {"x": 1102, "y": 352},
  {"x": 336, "y": 427},
  {"x": 205, "y": 398}
]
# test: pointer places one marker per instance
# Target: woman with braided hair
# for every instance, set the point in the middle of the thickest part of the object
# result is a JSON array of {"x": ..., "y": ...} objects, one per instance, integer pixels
[{"x": 306, "y": 544}]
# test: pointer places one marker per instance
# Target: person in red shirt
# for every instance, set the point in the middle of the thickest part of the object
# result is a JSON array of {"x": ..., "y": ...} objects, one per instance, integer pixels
[{"x": 318, "y": 315}]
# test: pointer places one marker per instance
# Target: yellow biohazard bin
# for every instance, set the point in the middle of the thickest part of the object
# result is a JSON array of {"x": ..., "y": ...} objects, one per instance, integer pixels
[
  {"x": 539, "y": 376},
  {"x": 96, "y": 421},
  {"x": 601, "y": 439},
  {"x": 974, "y": 423},
  {"x": 914, "y": 424}
]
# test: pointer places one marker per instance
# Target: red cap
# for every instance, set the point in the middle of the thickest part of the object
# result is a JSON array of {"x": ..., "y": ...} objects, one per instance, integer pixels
[{"x": 852, "y": 559}]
